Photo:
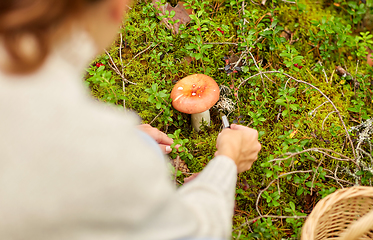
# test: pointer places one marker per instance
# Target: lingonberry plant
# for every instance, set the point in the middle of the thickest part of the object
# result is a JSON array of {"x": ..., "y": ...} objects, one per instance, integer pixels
[
  {"x": 162, "y": 101},
  {"x": 102, "y": 77},
  {"x": 297, "y": 71}
]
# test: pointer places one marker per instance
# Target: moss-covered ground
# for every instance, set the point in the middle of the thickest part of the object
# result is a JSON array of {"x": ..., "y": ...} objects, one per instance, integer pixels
[{"x": 295, "y": 71}]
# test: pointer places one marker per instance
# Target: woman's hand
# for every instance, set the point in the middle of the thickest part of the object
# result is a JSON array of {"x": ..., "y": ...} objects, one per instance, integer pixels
[
  {"x": 241, "y": 144},
  {"x": 161, "y": 138}
]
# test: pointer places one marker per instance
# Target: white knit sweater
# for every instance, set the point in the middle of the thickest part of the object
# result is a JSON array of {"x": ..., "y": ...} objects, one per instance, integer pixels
[{"x": 72, "y": 168}]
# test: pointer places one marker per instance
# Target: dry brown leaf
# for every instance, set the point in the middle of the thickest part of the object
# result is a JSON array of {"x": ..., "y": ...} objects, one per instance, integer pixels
[
  {"x": 181, "y": 14},
  {"x": 188, "y": 59},
  {"x": 341, "y": 71},
  {"x": 309, "y": 202},
  {"x": 233, "y": 59},
  {"x": 286, "y": 34},
  {"x": 183, "y": 167}
]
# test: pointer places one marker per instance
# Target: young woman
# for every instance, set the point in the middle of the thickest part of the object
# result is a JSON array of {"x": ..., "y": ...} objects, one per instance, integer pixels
[{"x": 71, "y": 168}]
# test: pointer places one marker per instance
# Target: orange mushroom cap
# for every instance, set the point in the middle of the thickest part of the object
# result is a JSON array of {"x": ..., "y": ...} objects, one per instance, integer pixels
[{"x": 195, "y": 94}]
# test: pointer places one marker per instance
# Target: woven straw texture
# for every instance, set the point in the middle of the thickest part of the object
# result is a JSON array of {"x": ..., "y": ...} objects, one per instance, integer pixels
[{"x": 346, "y": 214}]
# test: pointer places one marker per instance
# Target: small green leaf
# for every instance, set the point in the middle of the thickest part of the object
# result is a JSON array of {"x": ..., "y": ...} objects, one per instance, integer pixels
[
  {"x": 269, "y": 174},
  {"x": 281, "y": 101},
  {"x": 285, "y": 113},
  {"x": 300, "y": 191},
  {"x": 158, "y": 105},
  {"x": 359, "y": 173},
  {"x": 292, "y": 206}
]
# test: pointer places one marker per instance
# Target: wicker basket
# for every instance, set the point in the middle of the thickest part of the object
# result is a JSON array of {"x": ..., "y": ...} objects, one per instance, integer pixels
[{"x": 346, "y": 214}]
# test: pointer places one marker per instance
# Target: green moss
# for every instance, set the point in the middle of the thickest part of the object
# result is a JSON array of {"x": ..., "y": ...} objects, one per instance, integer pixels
[{"x": 152, "y": 54}]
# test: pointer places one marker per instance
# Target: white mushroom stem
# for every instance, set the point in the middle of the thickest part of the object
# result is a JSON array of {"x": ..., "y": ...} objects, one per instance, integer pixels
[{"x": 197, "y": 119}]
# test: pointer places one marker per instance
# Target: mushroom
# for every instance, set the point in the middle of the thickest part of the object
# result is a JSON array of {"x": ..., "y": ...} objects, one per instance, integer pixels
[{"x": 195, "y": 94}]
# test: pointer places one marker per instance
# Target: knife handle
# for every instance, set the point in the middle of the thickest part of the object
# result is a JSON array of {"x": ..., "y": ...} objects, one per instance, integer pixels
[{"x": 225, "y": 122}]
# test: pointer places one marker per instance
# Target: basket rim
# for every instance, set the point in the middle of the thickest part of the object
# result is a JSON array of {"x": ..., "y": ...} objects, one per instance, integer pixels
[{"x": 325, "y": 204}]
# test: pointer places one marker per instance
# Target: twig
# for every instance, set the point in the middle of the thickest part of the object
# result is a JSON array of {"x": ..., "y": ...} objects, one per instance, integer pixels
[
  {"x": 239, "y": 235},
  {"x": 341, "y": 180},
  {"x": 318, "y": 150},
  {"x": 156, "y": 117},
  {"x": 243, "y": 5},
  {"x": 265, "y": 189},
  {"x": 323, "y": 94},
  {"x": 336, "y": 170},
  {"x": 335, "y": 175},
  {"x": 323, "y": 70},
  {"x": 337, "y": 179},
  {"x": 331, "y": 77},
  {"x": 256, "y": 65},
  {"x": 357, "y": 178},
  {"x": 115, "y": 68},
  {"x": 322, "y": 126},
  {"x": 146, "y": 49},
  {"x": 327, "y": 98},
  {"x": 313, "y": 112},
  {"x": 278, "y": 187},
  {"x": 244, "y": 54}
]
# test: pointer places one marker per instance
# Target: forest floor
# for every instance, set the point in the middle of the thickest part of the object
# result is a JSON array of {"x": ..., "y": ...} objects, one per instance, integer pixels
[{"x": 297, "y": 71}]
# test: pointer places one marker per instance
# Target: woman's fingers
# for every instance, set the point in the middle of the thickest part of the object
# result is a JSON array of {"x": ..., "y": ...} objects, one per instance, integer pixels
[
  {"x": 162, "y": 138},
  {"x": 165, "y": 148},
  {"x": 241, "y": 144},
  {"x": 164, "y": 142},
  {"x": 157, "y": 135}
]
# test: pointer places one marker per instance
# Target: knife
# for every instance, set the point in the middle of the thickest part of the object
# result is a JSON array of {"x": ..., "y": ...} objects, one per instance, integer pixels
[{"x": 225, "y": 121}]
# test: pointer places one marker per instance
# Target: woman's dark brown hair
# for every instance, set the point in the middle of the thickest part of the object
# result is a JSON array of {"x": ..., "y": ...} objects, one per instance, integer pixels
[{"x": 33, "y": 19}]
